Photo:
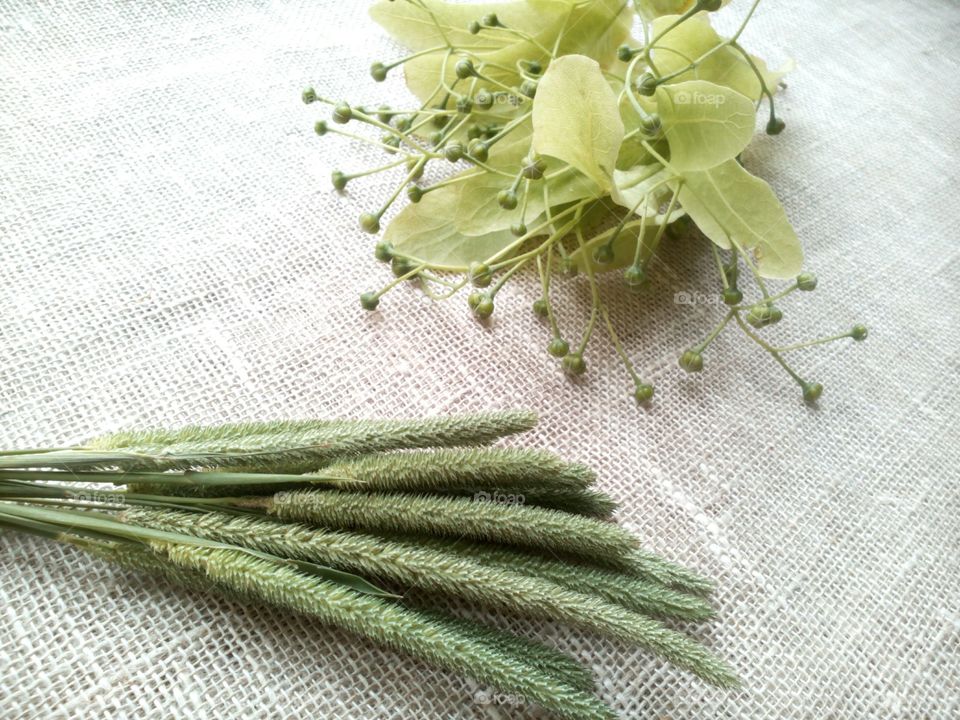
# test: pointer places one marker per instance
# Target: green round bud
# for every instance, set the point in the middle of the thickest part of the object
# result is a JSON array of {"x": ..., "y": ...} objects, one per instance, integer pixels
[
  {"x": 464, "y": 106},
  {"x": 464, "y": 69},
  {"x": 710, "y": 5},
  {"x": 625, "y": 53},
  {"x": 558, "y": 347},
  {"x": 643, "y": 392},
  {"x": 338, "y": 179},
  {"x": 534, "y": 169},
  {"x": 453, "y": 151},
  {"x": 383, "y": 251},
  {"x": 478, "y": 149},
  {"x": 440, "y": 120},
  {"x": 369, "y": 301},
  {"x": 761, "y": 315},
  {"x": 732, "y": 296},
  {"x": 378, "y": 71},
  {"x": 488, "y": 131},
  {"x": 775, "y": 126},
  {"x": 507, "y": 199},
  {"x": 309, "y": 96},
  {"x": 383, "y": 114},
  {"x": 859, "y": 332},
  {"x": 436, "y": 138},
  {"x": 574, "y": 364},
  {"x": 474, "y": 27},
  {"x": 400, "y": 266},
  {"x": 480, "y": 274},
  {"x": 414, "y": 193},
  {"x": 403, "y": 123},
  {"x": 473, "y": 299},
  {"x": 342, "y": 113},
  {"x": 635, "y": 277},
  {"x": 518, "y": 229},
  {"x": 812, "y": 391},
  {"x": 392, "y": 142},
  {"x": 370, "y": 223},
  {"x": 483, "y": 100},
  {"x": 569, "y": 267},
  {"x": 534, "y": 67},
  {"x": 691, "y": 361},
  {"x": 320, "y": 127},
  {"x": 484, "y": 308},
  {"x": 490, "y": 20},
  {"x": 603, "y": 254},
  {"x": 646, "y": 84},
  {"x": 528, "y": 88},
  {"x": 807, "y": 281},
  {"x": 473, "y": 132},
  {"x": 680, "y": 227},
  {"x": 651, "y": 124},
  {"x": 540, "y": 308}
]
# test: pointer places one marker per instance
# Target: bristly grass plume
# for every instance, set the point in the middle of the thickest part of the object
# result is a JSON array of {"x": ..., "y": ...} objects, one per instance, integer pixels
[
  {"x": 342, "y": 520},
  {"x": 579, "y": 149}
]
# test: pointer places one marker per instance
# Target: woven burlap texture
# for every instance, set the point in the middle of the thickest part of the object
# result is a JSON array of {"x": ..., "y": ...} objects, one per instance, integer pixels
[{"x": 172, "y": 252}]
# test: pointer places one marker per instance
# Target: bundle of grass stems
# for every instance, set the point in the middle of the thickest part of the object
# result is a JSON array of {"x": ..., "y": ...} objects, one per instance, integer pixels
[{"x": 339, "y": 520}]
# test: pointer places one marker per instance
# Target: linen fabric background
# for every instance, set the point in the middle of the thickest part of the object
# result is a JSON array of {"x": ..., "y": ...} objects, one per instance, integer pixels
[{"x": 173, "y": 252}]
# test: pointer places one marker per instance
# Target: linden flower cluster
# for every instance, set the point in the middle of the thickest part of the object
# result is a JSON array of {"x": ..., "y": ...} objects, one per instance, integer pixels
[{"x": 585, "y": 149}]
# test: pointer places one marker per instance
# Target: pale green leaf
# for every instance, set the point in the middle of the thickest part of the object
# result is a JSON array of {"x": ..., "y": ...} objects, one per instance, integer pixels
[
  {"x": 734, "y": 208},
  {"x": 631, "y": 186},
  {"x": 705, "y": 123},
  {"x": 693, "y": 38},
  {"x": 576, "y": 118}
]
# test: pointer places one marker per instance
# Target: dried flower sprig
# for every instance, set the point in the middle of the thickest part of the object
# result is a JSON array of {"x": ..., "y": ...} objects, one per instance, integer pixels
[
  {"x": 203, "y": 529},
  {"x": 581, "y": 150}
]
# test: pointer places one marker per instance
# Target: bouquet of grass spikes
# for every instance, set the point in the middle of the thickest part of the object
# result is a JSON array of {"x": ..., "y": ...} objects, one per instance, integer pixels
[
  {"x": 580, "y": 149},
  {"x": 338, "y": 520}
]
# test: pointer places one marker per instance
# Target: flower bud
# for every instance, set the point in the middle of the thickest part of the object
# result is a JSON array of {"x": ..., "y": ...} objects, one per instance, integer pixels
[
  {"x": 400, "y": 266},
  {"x": 574, "y": 364},
  {"x": 414, "y": 193},
  {"x": 646, "y": 84},
  {"x": 643, "y": 392},
  {"x": 625, "y": 53},
  {"x": 369, "y": 301},
  {"x": 342, "y": 113},
  {"x": 453, "y": 151},
  {"x": 480, "y": 274},
  {"x": 370, "y": 223},
  {"x": 761, "y": 315},
  {"x": 483, "y": 100},
  {"x": 338, "y": 179},
  {"x": 635, "y": 277},
  {"x": 807, "y": 281},
  {"x": 320, "y": 127},
  {"x": 710, "y": 5},
  {"x": 812, "y": 391},
  {"x": 403, "y": 123},
  {"x": 859, "y": 332},
  {"x": 490, "y": 20},
  {"x": 534, "y": 67},
  {"x": 651, "y": 124},
  {"x": 384, "y": 114},
  {"x": 473, "y": 299},
  {"x": 309, "y": 96},
  {"x": 540, "y": 308},
  {"x": 558, "y": 347},
  {"x": 464, "y": 68},
  {"x": 378, "y": 71},
  {"x": 603, "y": 254},
  {"x": 691, "y": 361},
  {"x": 484, "y": 308},
  {"x": 507, "y": 199},
  {"x": 732, "y": 296},
  {"x": 383, "y": 251},
  {"x": 533, "y": 169},
  {"x": 478, "y": 150},
  {"x": 464, "y": 106},
  {"x": 528, "y": 88},
  {"x": 474, "y": 27},
  {"x": 518, "y": 229},
  {"x": 775, "y": 126}
]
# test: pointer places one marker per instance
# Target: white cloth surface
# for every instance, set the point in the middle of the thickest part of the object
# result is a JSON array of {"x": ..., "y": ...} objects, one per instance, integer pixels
[{"x": 171, "y": 251}]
